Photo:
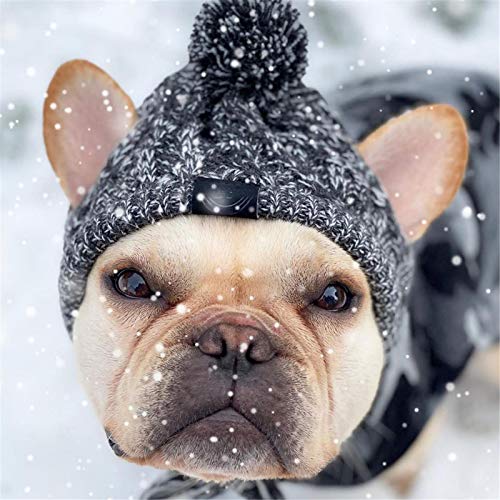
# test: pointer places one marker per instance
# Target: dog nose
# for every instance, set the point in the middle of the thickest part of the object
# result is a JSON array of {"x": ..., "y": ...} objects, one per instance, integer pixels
[{"x": 236, "y": 345}]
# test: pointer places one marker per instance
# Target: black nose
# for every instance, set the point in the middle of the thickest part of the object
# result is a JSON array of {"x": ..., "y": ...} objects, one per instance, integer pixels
[{"x": 236, "y": 346}]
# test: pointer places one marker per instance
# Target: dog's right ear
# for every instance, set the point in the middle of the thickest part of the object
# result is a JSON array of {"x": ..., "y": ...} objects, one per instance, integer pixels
[{"x": 85, "y": 115}]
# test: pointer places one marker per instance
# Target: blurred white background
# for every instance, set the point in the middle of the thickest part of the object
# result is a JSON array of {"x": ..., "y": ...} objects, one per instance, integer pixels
[{"x": 51, "y": 443}]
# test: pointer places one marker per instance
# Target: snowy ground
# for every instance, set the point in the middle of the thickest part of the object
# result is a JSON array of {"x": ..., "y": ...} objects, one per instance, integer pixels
[{"x": 51, "y": 444}]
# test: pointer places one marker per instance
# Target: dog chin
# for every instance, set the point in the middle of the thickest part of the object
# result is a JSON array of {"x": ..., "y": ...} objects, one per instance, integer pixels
[{"x": 221, "y": 447}]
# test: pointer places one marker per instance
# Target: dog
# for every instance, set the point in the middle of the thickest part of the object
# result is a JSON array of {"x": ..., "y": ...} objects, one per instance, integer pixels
[{"x": 241, "y": 348}]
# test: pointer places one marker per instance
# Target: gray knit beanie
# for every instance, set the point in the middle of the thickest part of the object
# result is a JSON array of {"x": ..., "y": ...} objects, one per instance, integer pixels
[{"x": 236, "y": 133}]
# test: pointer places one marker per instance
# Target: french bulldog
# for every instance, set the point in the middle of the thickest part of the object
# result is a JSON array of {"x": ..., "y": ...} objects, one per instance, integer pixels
[
  {"x": 235, "y": 348},
  {"x": 251, "y": 362}
]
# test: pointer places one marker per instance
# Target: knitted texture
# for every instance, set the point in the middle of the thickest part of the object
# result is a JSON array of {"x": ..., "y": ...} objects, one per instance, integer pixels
[{"x": 238, "y": 111}]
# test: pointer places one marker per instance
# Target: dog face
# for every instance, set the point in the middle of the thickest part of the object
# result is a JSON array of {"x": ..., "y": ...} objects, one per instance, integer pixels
[
  {"x": 229, "y": 348},
  {"x": 241, "y": 364}
]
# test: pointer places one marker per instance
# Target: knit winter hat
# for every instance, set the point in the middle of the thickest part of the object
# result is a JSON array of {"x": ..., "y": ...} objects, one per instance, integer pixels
[{"x": 236, "y": 133}]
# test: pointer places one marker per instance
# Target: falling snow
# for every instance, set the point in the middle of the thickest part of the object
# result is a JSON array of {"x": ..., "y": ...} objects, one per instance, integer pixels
[{"x": 51, "y": 406}]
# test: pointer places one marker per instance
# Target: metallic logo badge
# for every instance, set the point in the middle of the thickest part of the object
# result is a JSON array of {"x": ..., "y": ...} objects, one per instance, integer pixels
[{"x": 223, "y": 197}]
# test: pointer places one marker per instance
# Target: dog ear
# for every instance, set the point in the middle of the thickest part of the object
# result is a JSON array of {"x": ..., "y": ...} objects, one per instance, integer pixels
[
  {"x": 420, "y": 158},
  {"x": 85, "y": 115}
]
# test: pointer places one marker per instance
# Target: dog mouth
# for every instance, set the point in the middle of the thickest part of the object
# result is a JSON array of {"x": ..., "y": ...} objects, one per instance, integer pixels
[
  {"x": 221, "y": 421},
  {"x": 221, "y": 446},
  {"x": 223, "y": 443}
]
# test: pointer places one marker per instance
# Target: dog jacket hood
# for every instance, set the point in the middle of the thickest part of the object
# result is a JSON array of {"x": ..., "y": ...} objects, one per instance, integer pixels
[{"x": 236, "y": 133}]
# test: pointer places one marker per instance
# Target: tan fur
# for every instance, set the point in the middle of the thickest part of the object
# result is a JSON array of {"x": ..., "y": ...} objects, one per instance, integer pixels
[{"x": 485, "y": 365}]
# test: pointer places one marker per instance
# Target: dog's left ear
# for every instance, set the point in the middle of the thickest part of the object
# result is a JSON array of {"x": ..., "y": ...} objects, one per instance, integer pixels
[
  {"x": 85, "y": 115},
  {"x": 420, "y": 158}
]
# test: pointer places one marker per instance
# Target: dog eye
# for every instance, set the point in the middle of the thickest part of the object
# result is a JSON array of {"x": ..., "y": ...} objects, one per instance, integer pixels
[
  {"x": 334, "y": 298},
  {"x": 132, "y": 284}
]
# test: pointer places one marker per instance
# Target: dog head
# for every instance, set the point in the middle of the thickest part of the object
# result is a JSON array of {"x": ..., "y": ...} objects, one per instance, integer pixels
[{"x": 230, "y": 348}]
